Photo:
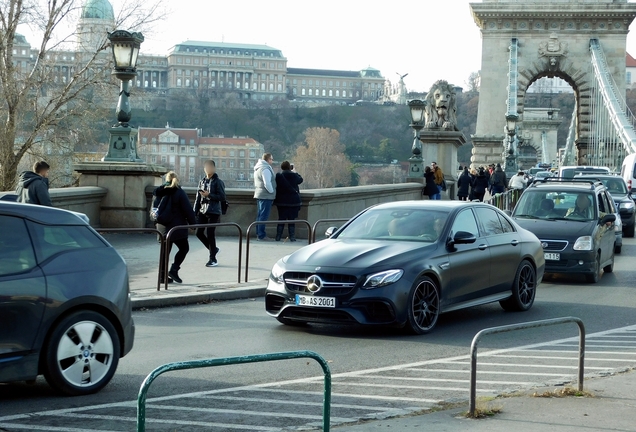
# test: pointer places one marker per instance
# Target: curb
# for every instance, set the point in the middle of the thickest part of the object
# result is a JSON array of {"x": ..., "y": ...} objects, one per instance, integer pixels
[{"x": 183, "y": 299}]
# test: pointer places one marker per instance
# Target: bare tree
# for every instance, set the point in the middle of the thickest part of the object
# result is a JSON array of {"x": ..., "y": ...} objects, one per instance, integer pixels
[
  {"x": 473, "y": 82},
  {"x": 322, "y": 161},
  {"x": 35, "y": 100}
]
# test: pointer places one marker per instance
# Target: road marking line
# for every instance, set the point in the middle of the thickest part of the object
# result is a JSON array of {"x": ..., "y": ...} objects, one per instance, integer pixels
[
  {"x": 409, "y": 387},
  {"x": 305, "y": 403},
  {"x": 170, "y": 421},
  {"x": 353, "y": 395},
  {"x": 485, "y": 372},
  {"x": 560, "y": 358},
  {"x": 400, "y": 378},
  {"x": 586, "y": 352},
  {"x": 612, "y": 337},
  {"x": 247, "y": 413},
  {"x": 529, "y": 365},
  {"x": 606, "y": 346},
  {"x": 48, "y": 428},
  {"x": 448, "y": 360}
]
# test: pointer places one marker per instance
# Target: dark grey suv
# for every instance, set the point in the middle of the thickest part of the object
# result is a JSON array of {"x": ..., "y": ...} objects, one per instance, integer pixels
[{"x": 65, "y": 308}]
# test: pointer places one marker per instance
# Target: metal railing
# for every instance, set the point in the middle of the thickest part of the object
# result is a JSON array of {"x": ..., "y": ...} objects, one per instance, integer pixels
[
  {"x": 521, "y": 326},
  {"x": 249, "y": 230},
  {"x": 162, "y": 241},
  {"x": 505, "y": 200},
  {"x": 321, "y": 221},
  {"x": 166, "y": 255},
  {"x": 145, "y": 385}
]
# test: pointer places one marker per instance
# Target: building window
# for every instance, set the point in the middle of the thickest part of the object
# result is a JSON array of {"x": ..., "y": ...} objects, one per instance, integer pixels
[
  {"x": 231, "y": 164},
  {"x": 330, "y": 92},
  {"x": 310, "y": 92},
  {"x": 178, "y": 82},
  {"x": 241, "y": 164},
  {"x": 252, "y": 153},
  {"x": 302, "y": 92},
  {"x": 242, "y": 153},
  {"x": 144, "y": 140},
  {"x": 153, "y": 149},
  {"x": 163, "y": 159},
  {"x": 324, "y": 92},
  {"x": 193, "y": 150},
  {"x": 628, "y": 75},
  {"x": 173, "y": 149},
  {"x": 153, "y": 159},
  {"x": 337, "y": 93},
  {"x": 164, "y": 149},
  {"x": 231, "y": 153},
  {"x": 183, "y": 149}
]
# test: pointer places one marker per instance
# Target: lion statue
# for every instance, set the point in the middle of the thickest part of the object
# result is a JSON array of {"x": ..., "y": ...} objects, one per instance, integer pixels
[{"x": 441, "y": 108}]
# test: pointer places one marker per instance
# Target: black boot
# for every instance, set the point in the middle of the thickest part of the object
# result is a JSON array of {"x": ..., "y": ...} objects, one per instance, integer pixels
[
  {"x": 291, "y": 228},
  {"x": 279, "y": 231},
  {"x": 174, "y": 274}
]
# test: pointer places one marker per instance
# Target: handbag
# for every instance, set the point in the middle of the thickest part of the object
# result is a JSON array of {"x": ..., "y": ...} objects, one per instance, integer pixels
[
  {"x": 443, "y": 185},
  {"x": 225, "y": 205}
]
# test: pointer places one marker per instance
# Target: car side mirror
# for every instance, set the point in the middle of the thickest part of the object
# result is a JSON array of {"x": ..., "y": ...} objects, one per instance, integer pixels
[
  {"x": 331, "y": 231},
  {"x": 607, "y": 218},
  {"x": 461, "y": 237}
]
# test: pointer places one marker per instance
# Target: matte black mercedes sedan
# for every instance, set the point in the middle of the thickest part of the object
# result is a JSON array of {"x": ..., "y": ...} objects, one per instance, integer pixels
[
  {"x": 65, "y": 309},
  {"x": 405, "y": 263}
]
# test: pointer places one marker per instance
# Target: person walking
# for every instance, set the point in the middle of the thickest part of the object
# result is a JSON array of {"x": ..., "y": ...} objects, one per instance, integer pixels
[
  {"x": 473, "y": 176},
  {"x": 430, "y": 188},
  {"x": 287, "y": 199},
  {"x": 207, "y": 208},
  {"x": 439, "y": 180},
  {"x": 463, "y": 185},
  {"x": 178, "y": 211},
  {"x": 265, "y": 192},
  {"x": 480, "y": 184},
  {"x": 498, "y": 181},
  {"x": 33, "y": 186}
]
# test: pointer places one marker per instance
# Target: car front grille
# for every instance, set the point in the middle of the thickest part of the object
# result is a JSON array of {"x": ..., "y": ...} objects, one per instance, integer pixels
[
  {"x": 333, "y": 284},
  {"x": 554, "y": 245}
]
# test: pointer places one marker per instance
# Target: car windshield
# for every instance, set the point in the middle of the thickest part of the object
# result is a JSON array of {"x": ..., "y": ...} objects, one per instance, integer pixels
[
  {"x": 615, "y": 186},
  {"x": 397, "y": 224},
  {"x": 567, "y": 205}
]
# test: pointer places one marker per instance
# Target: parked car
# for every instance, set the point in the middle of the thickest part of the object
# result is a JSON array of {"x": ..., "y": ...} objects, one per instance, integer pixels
[
  {"x": 405, "y": 263},
  {"x": 65, "y": 309},
  {"x": 569, "y": 172},
  {"x": 575, "y": 222},
  {"x": 628, "y": 173},
  {"x": 623, "y": 200}
]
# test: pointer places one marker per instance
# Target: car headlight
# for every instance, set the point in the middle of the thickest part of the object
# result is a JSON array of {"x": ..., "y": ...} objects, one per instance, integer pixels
[
  {"x": 583, "y": 243},
  {"x": 277, "y": 273},
  {"x": 627, "y": 205},
  {"x": 381, "y": 279}
]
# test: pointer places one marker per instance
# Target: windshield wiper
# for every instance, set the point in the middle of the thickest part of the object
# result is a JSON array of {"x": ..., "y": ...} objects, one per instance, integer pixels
[{"x": 527, "y": 216}]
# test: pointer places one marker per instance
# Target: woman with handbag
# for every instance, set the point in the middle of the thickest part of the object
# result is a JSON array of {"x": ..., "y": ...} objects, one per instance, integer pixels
[
  {"x": 287, "y": 200},
  {"x": 173, "y": 209}
]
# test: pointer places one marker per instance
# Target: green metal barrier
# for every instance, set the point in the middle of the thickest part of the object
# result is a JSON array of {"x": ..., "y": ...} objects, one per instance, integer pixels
[{"x": 194, "y": 364}]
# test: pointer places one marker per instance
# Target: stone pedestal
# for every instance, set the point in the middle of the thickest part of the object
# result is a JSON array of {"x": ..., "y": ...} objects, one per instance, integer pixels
[
  {"x": 124, "y": 205},
  {"x": 441, "y": 146},
  {"x": 486, "y": 150}
]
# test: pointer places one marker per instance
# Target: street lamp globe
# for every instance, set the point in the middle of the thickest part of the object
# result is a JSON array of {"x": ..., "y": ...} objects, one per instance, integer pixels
[
  {"x": 511, "y": 123},
  {"x": 125, "y": 46},
  {"x": 417, "y": 111}
]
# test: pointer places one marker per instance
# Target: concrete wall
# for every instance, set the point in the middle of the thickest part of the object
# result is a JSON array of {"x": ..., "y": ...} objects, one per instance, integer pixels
[
  {"x": 317, "y": 204},
  {"x": 87, "y": 200}
]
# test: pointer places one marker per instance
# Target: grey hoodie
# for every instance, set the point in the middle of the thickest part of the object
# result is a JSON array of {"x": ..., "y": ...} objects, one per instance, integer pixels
[
  {"x": 33, "y": 189},
  {"x": 264, "y": 181}
]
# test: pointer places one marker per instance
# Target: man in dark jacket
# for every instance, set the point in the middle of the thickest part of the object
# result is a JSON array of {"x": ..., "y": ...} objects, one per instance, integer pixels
[
  {"x": 480, "y": 184},
  {"x": 287, "y": 199},
  {"x": 498, "y": 181},
  {"x": 463, "y": 185},
  {"x": 207, "y": 208},
  {"x": 33, "y": 186}
]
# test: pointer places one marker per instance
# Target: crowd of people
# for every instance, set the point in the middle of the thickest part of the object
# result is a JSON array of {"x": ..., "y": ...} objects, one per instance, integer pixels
[{"x": 473, "y": 183}]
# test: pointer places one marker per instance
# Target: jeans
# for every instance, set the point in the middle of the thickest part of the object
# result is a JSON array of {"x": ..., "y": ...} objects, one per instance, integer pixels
[
  {"x": 438, "y": 195},
  {"x": 206, "y": 235},
  {"x": 264, "y": 207}
]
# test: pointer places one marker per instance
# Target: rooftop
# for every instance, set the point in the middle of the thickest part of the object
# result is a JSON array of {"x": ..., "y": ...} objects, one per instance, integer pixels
[
  {"x": 629, "y": 60},
  {"x": 228, "y": 48}
]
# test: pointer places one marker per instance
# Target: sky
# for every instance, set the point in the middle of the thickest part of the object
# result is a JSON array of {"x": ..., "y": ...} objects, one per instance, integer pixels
[{"x": 427, "y": 39}]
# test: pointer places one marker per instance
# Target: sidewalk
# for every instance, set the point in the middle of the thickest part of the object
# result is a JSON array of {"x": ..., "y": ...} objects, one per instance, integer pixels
[
  {"x": 611, "y": 407},
  {"x": 200, "y": 283}
]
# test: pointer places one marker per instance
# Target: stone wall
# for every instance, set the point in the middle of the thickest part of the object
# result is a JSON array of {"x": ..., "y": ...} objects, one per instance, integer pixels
[{"x": 317, "y": 204}]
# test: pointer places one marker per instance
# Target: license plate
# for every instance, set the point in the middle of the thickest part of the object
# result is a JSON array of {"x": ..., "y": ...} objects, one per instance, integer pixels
[
  {"x": 552, "y": 256},
  {"x": 312, "y": 301}
]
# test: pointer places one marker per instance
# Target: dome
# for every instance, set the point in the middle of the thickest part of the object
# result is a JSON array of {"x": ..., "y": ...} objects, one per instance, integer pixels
[{"x": 98, "y": 9}]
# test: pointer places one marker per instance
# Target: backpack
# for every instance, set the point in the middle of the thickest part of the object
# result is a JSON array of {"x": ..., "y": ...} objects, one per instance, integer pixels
[{"x": 163, "y": 214}]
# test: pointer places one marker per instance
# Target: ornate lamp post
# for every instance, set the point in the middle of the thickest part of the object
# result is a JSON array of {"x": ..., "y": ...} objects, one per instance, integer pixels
[
  {"x": 122, "y": 145},
  {"x": 416, "y": 163},
  {"x": 510, "y": 154}
]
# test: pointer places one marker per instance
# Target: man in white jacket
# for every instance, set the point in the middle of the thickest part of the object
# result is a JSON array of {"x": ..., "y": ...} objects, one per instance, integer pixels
[
  {"x": 518, "y": 181},
  {"x": 265, "y": 192}
]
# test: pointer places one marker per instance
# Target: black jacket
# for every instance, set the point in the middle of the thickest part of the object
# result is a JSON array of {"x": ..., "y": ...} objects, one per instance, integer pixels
[
  {"x": 181, "y": 209},
  {"x": 480, "y": 184},
  {"x": 211, "y": 204},
  {"x": 287, "y": 191},
  {"x": 430, "y": 188},
  {"x": 498, "y": 178},
  {"x": 463, "y": 184},
  {"x": 33, "y": 189}
]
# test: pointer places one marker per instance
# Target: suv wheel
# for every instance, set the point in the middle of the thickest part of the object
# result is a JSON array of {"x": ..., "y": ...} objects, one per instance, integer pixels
[
  {"x": 596, "y": 275},
  {"x": 82, "y": 354},
  {"x": 524, "y": 289}
]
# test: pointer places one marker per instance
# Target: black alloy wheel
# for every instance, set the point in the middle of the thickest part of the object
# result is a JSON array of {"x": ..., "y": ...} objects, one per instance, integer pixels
[
  {"x": 596, "y": 276},
  {"x": 423, "y": 306},
  {"x": 524, "y": 289}
]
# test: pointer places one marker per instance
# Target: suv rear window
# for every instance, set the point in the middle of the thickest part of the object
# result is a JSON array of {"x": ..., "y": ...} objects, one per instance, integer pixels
[
  {"x": 50, "y": 240},
  {"x": 544, "y": 204},
  {"x": 16, "y": 251}
]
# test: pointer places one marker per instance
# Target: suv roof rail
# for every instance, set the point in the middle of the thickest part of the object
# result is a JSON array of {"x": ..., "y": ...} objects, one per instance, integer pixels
[{"x": 588, "y": 180}]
